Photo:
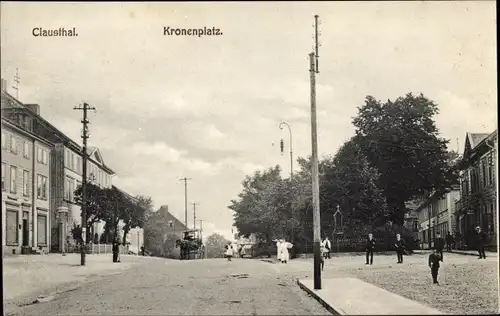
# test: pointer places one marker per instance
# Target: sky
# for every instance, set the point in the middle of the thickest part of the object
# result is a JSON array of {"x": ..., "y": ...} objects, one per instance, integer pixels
[{"x": 209, "y": 107}]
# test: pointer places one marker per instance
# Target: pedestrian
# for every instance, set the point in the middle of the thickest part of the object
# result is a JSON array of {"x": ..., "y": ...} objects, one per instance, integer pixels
[
  {"x": 116, "y": 250},
  {"x": 370, "y": 246},
  {"x": 142, "y": 250},
  {"x": 434, "y": 259},
  {"x": 322, "y": 249},
  {"x": 481, "y": 239},
  {"x": 449, "y": 241},
  {"x": 278, "y": 249},
  {"x": 285, "y": 254},
  {"x": 439, "y": 244},
  {"x": 229, "y": 252},
  {"x": 400, "y": 247},
  {"x": 328, "y": 246}
]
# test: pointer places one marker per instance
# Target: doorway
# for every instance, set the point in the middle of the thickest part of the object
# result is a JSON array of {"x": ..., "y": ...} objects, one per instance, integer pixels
[{"x": 26, "y": 229}]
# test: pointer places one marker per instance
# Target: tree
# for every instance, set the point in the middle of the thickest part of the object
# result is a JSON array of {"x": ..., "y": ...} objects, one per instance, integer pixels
[
  {"x": 253, "y": 214},
  {"x": 134, "y": 213},
  {"x": 400, "y": 139},
  {"x": 214, "y": 246},
  {"x": 350, "y": 182},
  {"x": 95, "y": 209}
]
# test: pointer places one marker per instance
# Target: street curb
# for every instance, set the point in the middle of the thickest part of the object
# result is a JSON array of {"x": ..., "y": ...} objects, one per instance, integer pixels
[{"x": 331, "y": 309}]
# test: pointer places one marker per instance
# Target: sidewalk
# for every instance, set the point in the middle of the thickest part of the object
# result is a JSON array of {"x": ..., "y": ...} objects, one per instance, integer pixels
[
  {"x": 351, "y": 296},
  {"x": 25, "y": 276}
]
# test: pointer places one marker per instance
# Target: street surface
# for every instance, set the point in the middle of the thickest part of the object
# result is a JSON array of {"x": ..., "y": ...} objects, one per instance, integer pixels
[
  {"x": 156, "y": 286},
  {"x": 195, "y": 287}
]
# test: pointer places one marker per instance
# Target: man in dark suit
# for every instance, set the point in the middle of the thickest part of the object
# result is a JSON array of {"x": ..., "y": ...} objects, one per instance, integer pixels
[
  {"x": 370, "y": 246},
  {"x": 449, "y": 241},
  {"x": 400, "y": 247},
  {"x": 481, "y": 239},
  {"x": 439, "y": 244}
]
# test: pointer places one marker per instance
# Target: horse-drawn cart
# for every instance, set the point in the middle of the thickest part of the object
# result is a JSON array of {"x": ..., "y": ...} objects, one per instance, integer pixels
[{"x": 191, "y": 245}]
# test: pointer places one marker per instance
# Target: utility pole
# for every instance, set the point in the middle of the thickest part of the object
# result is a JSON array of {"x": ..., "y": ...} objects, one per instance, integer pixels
[
  {"x": 17, "y": 80},
  {"x": 185, "y": 200},
  {"x": 313, "y": 70},
  {"x": 85, "y": 136},
  {"x": 194, "y": 215}
]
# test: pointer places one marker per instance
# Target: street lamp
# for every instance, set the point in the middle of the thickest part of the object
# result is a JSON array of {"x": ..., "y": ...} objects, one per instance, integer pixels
[
  {"x": 62, "y": 213},
  {"x": 291, "y": 152},
  {"x": 138, "y": 233}
]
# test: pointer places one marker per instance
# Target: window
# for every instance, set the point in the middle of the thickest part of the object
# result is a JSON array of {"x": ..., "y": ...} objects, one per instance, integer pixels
[
  {"x": 26, "y": 150},
  {"x": 11, "y": 225},
  {"x": 41, "y": 224},
  {"x": 74, "y": 163},
  {"x": 490, "y": 169},
  {"x": 483, "y": 169},
  {"x": 170, "y": 223},
  {"x": 42, "y": 187},
  {"x": 26, "y": 183},
  {"x": 67, "y": 188},
  {"x": 4, "y": 166},
  {"x": 13, "y": 179},
  {"x": 4, "y": 140},
  {"x": 13, "y": 144},
  {"x": 45, "y": 157},
  {"x": 66, "y": 158}
]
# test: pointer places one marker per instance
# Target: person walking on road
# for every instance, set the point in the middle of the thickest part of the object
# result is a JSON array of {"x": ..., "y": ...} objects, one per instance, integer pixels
[
  {"x": 328, "y": 246},
  {"x": 278, "y": 249},
  {"x": 400, "y": 247},
  {"x": 449, "y": 241},
  {"x": 439, "y": 244},
  {"x": 285, "y": 254},
  {"x": 229, "y": 252},
  {"x": 322, "y": 249},
  {"x": 370, "y": 246},
  {"x": 434, "y": 259},
  {"x": 481, "y": 239}
]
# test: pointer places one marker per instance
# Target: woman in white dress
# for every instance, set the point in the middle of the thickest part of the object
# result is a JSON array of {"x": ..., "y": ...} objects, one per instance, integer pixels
[
  {"x": 229, "y": 252},
  {"x": 278, "y": 249},
  {"x": 285, "y": 254}
]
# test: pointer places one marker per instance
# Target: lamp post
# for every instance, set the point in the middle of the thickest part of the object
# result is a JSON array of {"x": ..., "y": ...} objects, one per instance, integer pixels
[
  {"x": 291, "y": 152},
  {"x": 138, "y": 239},
  {"x": 62, "y": 213},
  {"x": 282, "y": 124}
]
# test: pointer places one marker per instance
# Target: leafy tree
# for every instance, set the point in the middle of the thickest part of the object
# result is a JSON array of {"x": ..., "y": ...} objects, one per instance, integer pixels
[
  {"x": 350, "y": 182},
  {"x": 401, "y": 140},
  {"x": 252, "y": 214},
  {"x": 94, "y": 204},
  {"x": 155, "y": 232},
  {"x": 215, "y": 245}
]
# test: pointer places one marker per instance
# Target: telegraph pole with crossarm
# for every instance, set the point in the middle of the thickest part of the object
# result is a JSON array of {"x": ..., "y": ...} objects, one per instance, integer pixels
[{"x": 85, "y": 108}]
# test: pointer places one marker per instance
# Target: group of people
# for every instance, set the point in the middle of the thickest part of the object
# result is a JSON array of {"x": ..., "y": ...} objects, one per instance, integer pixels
[{"x": 282, "y": 250}]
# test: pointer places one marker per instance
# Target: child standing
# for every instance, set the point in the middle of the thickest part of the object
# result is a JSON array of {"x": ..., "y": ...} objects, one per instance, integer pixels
[
  {"x": 434, "y": 259},
  {"x": 229, "y": 252}
]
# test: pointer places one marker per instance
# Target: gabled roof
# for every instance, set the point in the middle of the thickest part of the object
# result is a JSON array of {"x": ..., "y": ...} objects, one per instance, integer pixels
[{"x": 476, "y": 138}]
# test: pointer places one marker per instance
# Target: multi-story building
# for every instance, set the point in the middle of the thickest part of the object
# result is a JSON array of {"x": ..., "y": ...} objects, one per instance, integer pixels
[
  {"x": 26, "y": 195},
  {"x": 478, "y": 189},
  {"x": 436, "y": 214},
  {"x": 66, "y": 167}
]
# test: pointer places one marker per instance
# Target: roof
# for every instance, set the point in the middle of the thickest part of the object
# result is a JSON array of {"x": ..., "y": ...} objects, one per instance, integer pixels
[
  {"x": 14, "y": 103},
  {"x": 6, "y": 122},
  {"x": 476, "y": 138}
]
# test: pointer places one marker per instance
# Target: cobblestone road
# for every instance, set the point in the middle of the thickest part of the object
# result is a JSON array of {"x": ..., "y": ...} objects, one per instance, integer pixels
[{"x": 201, "y": 287}]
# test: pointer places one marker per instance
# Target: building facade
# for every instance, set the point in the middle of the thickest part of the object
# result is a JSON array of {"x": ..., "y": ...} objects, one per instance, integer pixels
[
  {"x": 26, "y": 193},
  {"x": 436, "y": 214},
  {"x": 477, "y": 205},
  {"x": 65, "y": 168}
]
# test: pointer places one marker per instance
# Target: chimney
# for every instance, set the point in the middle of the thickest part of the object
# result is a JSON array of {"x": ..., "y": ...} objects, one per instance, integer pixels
[
  {"x": 35, "y": 108},
  {"x": 164, "y": 209},
  {"x": 4, "y": 85}
]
